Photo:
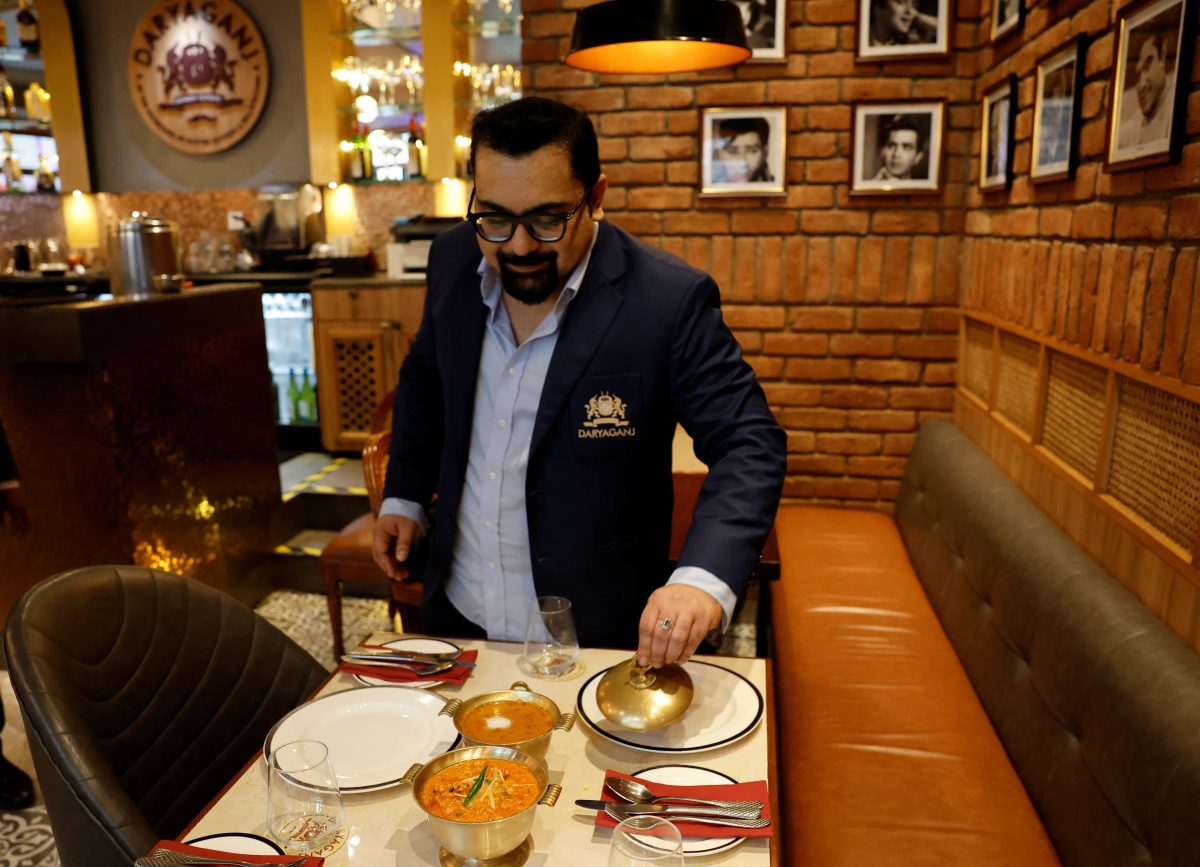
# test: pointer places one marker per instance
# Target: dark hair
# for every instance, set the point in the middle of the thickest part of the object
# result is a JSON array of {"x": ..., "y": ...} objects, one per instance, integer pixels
[
  {"x": 519, "y": 128},
  {"x": 735, "y": 126},
  {"x": 1163, "y": 40},
  {"x": 899, "y": 123}
]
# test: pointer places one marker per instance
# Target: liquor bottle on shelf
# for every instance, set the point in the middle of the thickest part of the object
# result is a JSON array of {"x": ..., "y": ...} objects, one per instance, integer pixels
[
  {"x": 45, "y": 175},
  {"x": 275, "y": 399},
  {"x": 7, "y": 101},
  {"x": 361, "y": 168},
  {"x": 12, "y": 165},
  {"x": 293, "y": 394},
  {"x": 308, "y": 400},
  {"x": 416, "y": 146},
  {"x": 27, "y": 27},
  {"x": 3, "y": 33}
]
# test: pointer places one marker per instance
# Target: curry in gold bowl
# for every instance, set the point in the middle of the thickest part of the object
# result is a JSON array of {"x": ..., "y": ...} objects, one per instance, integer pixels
[
  {"x": 516, "y": 717},
  {"x": 480, "y": 790}
]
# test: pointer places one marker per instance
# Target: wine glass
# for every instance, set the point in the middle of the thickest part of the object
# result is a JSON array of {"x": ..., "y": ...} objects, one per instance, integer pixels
[
  {"x": 641, "y": 840},
  {"x": 551, "y": 647},
  {"x": 304, "y": 803}
]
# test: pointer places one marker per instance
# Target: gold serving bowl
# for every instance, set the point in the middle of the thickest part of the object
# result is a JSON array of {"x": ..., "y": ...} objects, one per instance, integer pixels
[
  {"x": 483, "y": 841},
  {"x": 519, "y": 691}
]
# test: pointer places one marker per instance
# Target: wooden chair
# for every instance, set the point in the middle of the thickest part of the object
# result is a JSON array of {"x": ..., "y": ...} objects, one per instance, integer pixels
[{"x": 348, "y": 557}]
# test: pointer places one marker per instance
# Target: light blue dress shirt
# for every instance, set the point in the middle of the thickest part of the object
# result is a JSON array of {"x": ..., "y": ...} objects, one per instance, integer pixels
[{"x": 491, "y": 573}]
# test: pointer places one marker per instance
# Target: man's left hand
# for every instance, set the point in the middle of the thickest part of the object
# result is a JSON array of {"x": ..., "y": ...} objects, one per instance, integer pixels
[{"x": 690, "y": 614}]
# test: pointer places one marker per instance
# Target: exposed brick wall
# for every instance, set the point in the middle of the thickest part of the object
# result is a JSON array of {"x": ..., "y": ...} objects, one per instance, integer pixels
[
  {"x": 846, "y": 307},
  {"x": 1107, "y": 261}
]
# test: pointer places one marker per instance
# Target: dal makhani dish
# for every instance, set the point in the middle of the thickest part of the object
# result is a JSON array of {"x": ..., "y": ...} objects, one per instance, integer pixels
[
  {"x": 480, "y": 790},
  {"x": 505, "y": 722}
]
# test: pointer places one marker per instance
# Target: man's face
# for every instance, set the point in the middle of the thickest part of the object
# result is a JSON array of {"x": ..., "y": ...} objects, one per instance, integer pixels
[
  {"x": 900, "y": 15},
  {"x": 901, "y": 153},
  {"x": 531, "y": 270},
  {"x": 744, "y": 155},
  {"x": 1151, "y": 77}
]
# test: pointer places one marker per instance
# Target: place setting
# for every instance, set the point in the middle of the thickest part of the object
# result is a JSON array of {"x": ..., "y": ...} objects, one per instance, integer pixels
[{"x": 415, "y": 661}]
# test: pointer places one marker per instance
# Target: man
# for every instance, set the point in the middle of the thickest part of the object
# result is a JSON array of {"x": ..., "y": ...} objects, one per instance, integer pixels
[
  {"x": 16, "y": 789},
  {"x": 741, "y": 150},
  {"x": 899, "y": 22},
  {"x": 1147, "y": 119},
  {"x": 539, "y": 401},
  {"x": 902, "y": 151}
]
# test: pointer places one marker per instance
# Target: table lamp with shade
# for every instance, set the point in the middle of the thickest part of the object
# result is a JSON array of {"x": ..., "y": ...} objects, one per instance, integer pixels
[{"x": 657, "y": 36}]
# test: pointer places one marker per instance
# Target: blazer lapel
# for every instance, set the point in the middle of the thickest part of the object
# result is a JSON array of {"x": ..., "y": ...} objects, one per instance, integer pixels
[
  {"x": 587, "y": 321},
  {"x": 462, "y": 342}
]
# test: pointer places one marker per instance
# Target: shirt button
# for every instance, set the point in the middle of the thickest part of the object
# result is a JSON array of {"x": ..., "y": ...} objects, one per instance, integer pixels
[
  {"x": 512, "y": 371},
  {"x": 492, "y": 476},
  {"x": 487, "y": 523},
  {"x": 491, "y": 564},
  {"x": 502, "y": 423}
]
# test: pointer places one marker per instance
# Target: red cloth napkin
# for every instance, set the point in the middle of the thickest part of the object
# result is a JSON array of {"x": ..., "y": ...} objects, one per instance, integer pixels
[
  {"x": 397, "y": 674},
  {"x": 754, "y": 791},
  {"x": 310, "y": 861}
]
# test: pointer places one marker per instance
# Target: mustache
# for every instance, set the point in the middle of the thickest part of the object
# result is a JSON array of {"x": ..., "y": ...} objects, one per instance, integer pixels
[{"x": 530, "y": 259}]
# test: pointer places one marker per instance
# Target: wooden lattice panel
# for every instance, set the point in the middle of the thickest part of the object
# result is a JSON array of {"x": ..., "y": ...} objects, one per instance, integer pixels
[
  {"x": 977, "y": 359},
  {"x": 1074, "y": 415},
  {"x": 1156, "y": 460},
  {"x": 357, "y": 371},
  {"x": 1016, "y": 387}
]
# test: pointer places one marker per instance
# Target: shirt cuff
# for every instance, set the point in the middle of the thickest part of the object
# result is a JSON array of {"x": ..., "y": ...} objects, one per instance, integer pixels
[
  {"x": 704, "y": 580},
  {"x": 406, "y": 509},
  {"x": 10, "y": 484}
]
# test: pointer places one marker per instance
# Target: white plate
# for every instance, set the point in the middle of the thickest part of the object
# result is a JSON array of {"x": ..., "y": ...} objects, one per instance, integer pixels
[
  {"x": 412, "y": 645},
  {"x": 725, "y": 708},
  {"x": 374, "y": 733},
  {"x": 690, "y": 775},
  {"x": 236, "y": 844}
]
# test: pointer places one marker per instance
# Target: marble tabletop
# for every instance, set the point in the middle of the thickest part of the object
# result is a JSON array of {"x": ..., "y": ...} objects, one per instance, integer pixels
[{"x": 386, "y": 827}]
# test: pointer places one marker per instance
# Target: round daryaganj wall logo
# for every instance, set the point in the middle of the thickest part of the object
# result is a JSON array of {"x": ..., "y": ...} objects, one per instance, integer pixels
[{"x": 198, "y": 71}]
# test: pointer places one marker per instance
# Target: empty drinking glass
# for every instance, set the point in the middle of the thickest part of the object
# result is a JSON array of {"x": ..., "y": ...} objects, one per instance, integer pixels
[
  {"x": 646, "y": 840},
  {"x": 551, "y": 647},
  {"x": 304, "y": 803}
]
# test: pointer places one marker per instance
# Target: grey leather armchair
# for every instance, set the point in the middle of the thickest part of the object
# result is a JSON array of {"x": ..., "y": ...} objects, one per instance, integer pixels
[{"x": 143, "y": 693}]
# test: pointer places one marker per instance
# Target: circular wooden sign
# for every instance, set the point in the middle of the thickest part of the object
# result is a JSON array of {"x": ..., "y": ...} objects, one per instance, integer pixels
[{"x": 199, "y": 73}]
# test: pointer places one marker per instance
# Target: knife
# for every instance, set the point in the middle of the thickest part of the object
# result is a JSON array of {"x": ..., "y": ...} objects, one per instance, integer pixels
[
  {"x": 405, "y": 656},
  {"x": 669, "y": 810}
]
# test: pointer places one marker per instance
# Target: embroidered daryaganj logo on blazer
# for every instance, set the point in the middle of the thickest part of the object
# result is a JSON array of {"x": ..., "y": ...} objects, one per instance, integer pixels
[{"x": 606, "y": 418}]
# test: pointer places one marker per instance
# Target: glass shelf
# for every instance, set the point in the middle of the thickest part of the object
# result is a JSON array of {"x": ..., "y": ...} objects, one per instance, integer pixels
[
  {"x": 390, "y": 109},
  {"x": 15, "y": 54},
  {"x": 489, "y": 28},
  {"x": 368, "y": 36},
  {"x": 372, "y": 182},
  {"x": 487, "y": 102},
  {"x": 23, "y": 125}
]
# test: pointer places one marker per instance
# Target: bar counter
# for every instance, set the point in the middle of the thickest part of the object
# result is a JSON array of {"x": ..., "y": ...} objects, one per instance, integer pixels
[{"x": 143, "y": 432}]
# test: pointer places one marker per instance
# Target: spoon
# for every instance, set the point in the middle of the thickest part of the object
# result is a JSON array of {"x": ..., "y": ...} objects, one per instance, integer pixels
[{"x": 635, "y": 793}]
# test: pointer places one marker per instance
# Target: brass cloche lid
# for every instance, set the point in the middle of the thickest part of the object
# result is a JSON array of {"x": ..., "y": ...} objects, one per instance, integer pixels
[{"x": 643, "y": 698}]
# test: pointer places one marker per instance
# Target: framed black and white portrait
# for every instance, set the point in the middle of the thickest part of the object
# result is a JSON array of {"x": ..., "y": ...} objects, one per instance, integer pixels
[
  {"x": 1007, "y": 16},
  {"x": 742, "y": 151},
  {"x": 897, "y": 147},
  {"x": 996, "y": 135},
  {"x": 1056, "y": 113},
  {"x": 766, "y": 24},
  {"x": 1147, "y": 112},
  {"x": 903, "y": 29}
]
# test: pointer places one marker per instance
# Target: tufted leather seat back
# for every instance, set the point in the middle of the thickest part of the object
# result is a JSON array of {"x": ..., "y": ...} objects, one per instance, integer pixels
[
  {"x": 143, "y": 694},
  {"x": 1096, "y": 701}
]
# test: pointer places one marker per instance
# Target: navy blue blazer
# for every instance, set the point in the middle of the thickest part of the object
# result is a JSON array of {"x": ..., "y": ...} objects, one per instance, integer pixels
[{"x": 643, "y": 339}]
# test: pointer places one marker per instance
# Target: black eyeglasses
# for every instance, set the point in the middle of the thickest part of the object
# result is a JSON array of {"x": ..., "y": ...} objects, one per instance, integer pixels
[{"x": 545, "y": 226}]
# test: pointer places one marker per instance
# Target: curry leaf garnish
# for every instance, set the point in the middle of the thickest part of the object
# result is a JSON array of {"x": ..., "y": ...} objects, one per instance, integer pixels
[{"x": 475, "y": 788}]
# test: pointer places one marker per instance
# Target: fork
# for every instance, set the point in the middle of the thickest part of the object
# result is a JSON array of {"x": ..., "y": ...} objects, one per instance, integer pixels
[
  {"x": 169, "y": 858},
  {"x": 728, "y": 822}
]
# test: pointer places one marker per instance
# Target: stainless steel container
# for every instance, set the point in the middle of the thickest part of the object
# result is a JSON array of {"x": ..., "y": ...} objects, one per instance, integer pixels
[
  {"x": 483, "y": 840},
  {"x": 144, "y": 256},
  {"x": 519, "y": 691}
]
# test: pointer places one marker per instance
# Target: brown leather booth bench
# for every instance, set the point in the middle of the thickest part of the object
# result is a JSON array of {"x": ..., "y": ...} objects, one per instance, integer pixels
[{"x": 963, "y": 685}]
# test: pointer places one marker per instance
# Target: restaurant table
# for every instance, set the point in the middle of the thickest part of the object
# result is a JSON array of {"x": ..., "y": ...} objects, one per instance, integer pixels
[{"x": 386, "y": 827}]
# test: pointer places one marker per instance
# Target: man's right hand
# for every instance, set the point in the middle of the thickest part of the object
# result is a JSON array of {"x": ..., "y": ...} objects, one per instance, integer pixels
[{"x": 394, "y": 537}]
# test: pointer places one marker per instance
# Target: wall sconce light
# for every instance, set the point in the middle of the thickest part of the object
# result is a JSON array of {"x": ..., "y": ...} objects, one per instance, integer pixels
[{"x": 657, "y": 36}]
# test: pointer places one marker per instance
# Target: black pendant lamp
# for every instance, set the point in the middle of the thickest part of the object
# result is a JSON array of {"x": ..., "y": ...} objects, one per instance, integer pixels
[{"x": 657, "y": 36}]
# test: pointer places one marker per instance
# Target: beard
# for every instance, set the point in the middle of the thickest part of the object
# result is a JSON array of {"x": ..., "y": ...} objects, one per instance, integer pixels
[{"x": 529, "y": 287}]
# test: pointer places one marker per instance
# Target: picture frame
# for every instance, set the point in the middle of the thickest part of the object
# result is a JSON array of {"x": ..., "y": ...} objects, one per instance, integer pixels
[
  {"x": 1057, "y": 98},
  {"x": 742, "y": 151},
  {"x": 996, "y": 135},
  {"x": 1007, "y": 17},
  {"x": 902, "y": 29},
  {"x": 766, "y": 28},
  {"x": 896, "y": 147},
  {"x": 1148, "y": 109}
]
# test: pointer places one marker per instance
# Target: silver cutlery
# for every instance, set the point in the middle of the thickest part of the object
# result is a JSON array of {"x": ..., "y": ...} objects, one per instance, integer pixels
[
  {"x": 171, "y": 858},
  {"x": 668, "y": 811},
  {"x": 615, "y": 811},
  {"x": 405, "y": 656},
  {"x": 419, "y": 669},
  {"x": 636, "y": 793}
]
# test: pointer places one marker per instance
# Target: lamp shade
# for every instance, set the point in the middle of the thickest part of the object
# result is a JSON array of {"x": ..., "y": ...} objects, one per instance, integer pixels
[{"x": 657, "y": 36}]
